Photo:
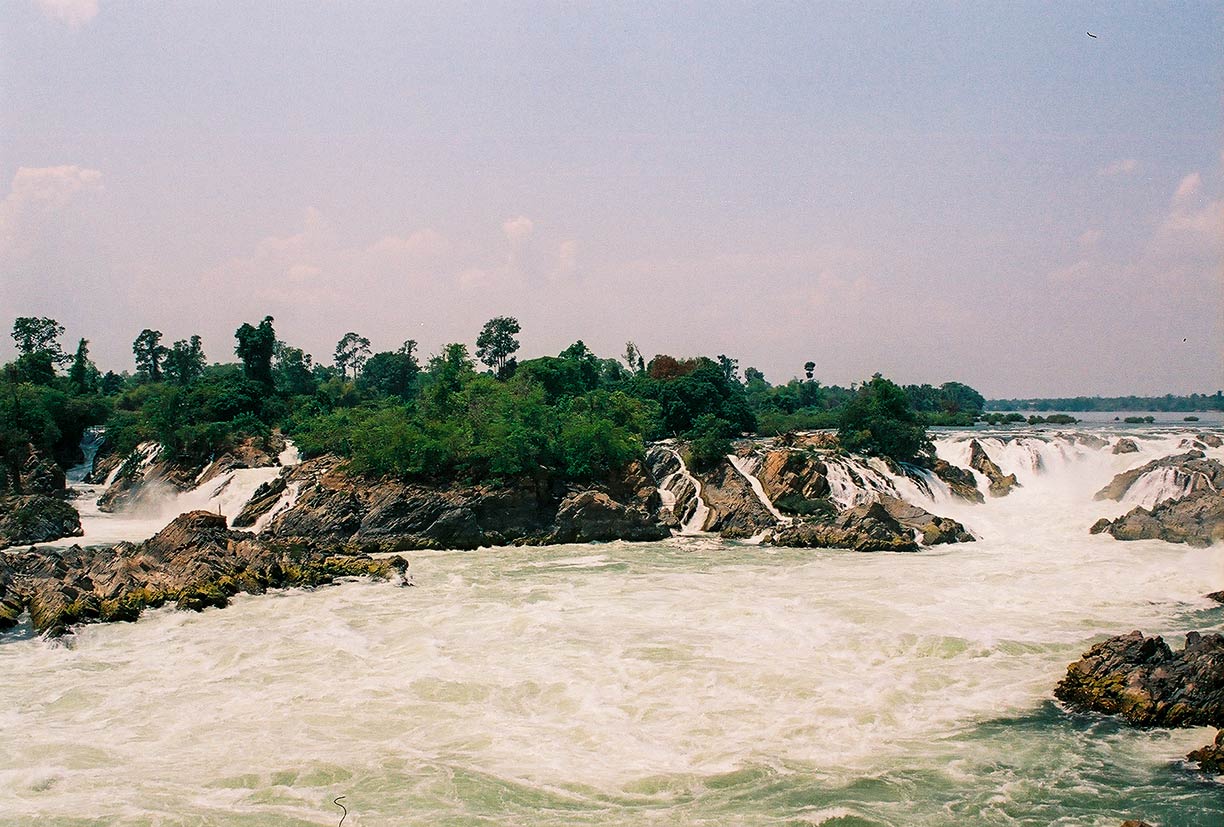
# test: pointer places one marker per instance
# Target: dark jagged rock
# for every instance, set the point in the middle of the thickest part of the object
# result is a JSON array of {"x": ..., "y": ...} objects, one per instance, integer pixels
[
  {"x": 593, "y": 516},
  {"x": 264, "y": 499},
  {"x": 1100, "y": 526},
  {"x": 1211, "y": 440},
  {"x": 391, "y": 515},
  {"x": 960, "y": 482},
  {"x": 1133, "y": 823},
  {"x": 1192, "y": 444},
  {"x": 1148, "y": 684},
  {"x": 735, "y": 510},
  {"x": 195, "y": 562},
  {"x": 1090, "y": 440},
  {"x": 1190, "y": 468},
  {"x": 866, "y": 527},
  {"x": 793, "y": 479},
  {"x": 1211, "y": 757},
  {"x": 1196, "y": 520},
  {"x": 935, "y": 530},
  {"x": 42, "y": 476},
  {"x": 1125, "y": 446},
  {"x": 1218, "y": 597},
  {"x": 36, "y": 518},
  {"x": 1000, "y": 484}
]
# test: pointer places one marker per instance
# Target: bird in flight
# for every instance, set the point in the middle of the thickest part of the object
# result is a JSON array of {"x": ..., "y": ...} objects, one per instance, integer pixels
[{"x": 1090, "y": 34}]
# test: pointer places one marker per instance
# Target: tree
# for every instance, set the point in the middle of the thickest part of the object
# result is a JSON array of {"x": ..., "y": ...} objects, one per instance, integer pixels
[
  {"x": 293, "y": 371},
  {"x": 393, "y": 372},
  {"x": 633, "y": 358},
  {"x": 351, "y": 351},
  {"x": 496, "y": 342},
  {"x": 730, "y": 367},
  {"x": 83, "y": 376},
  {"x": 809, "y": 369},
  {"x": 185, "y": 361},
  {"x": 255, "y": 348},
  {"x": 149, "y": 354},
  {"x": 39, "y": 335},
  {"x": 879, "y": 420}
]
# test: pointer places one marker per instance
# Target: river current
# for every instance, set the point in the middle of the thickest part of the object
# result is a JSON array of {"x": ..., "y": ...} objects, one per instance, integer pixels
[{"x": 692, "y": 681}]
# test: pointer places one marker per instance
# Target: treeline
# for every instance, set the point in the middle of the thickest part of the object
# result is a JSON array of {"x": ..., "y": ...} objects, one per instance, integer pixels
[
  {"x": 1168, "y": 402},
  {"x": 486, "y": 417}
]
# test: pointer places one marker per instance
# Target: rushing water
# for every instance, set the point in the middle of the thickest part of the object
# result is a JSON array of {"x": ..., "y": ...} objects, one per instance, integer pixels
[{"x": 685, "y": 682}]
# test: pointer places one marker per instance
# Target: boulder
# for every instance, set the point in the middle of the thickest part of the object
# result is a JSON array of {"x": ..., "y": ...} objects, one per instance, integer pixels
[
  {"x": 1211, "y": 757},
  {"x": 42, "y": 476},
  {"x": 960, "y": 482},
  {"x": 264, "y": 499},
  {"x": 736, "y": 512},
  {"x": 1211, "y": 440},
  {"x": 1196, "y": 520},
  {"x": 1147, "y": 683},
  {"x": 1000, "y": 484},
  {"x": 1125, "y": 446},
  {"x": 195, "y": 562},
  {"x": 593, "y": 516},
  {"x": 867, "y": 527},
  {"x": 36, "y": 518},
  {"x": 935, "y": 530},
  {"x": 793, "y": 478}
]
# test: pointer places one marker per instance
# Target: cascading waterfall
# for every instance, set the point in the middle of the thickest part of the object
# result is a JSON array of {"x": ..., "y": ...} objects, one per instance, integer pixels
[
  {"x": 747, "y": 469},
  {"x": 91, "y": 440},
  {"x": 701, "y": 512}
]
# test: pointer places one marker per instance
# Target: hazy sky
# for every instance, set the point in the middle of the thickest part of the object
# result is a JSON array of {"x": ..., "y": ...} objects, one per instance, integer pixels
[{"x": 978, "y": 192}]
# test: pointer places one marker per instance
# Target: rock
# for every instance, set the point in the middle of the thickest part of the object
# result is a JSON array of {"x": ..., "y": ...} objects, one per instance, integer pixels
[
  {"x": 960, "y": 482},
  {"x": 1133, "y": 823},
  {"x": 252, "y": 452},
  {"x": 388, "y": 514},
  {"x": 1099, "y": 526},
  {"x": 1125, "y": 446},
  {"x": 735, "y": 510},
  {"x": 1210, "y": 440},
  {"x": 195, "y": 561},
  {"x": 1218, "y": 597},
  {"x": 1089, "y": 440},
  {"x": 1211, "y": 757},
  {"x": 1190, "y": 470},
  {"x": 866, "y": 527},
  {"x": 935, "y": 530},
  {"x": 1144, "y": 681},
  {"x": 1196, "y": 520},
  {"x": 793, "y": 479},
  {"x": 36, "y": 518},
  {"x": 1192, "y": 444},
  {"x": 42, "y": 476},
  {"x": 1000, "y": 484},
  {"x": 261, "y": 502},
  {"x": 810, "y": 440}
]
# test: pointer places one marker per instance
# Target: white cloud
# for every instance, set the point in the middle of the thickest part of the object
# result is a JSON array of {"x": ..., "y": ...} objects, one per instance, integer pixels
[
  {"x": 37, "y": 194},
  {"x": 1125, "y": 166},
  {"x": 518, "y": 230},
  {"x": 1189, "y": 187},
  {"x": 71, "y": 12}
]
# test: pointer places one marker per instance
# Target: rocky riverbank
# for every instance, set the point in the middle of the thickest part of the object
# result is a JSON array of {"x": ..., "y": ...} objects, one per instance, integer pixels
[
  {"x": 195, "y": 562},
  {"x": 1188, "y": 507},
  {"x": 33, "y": 507}
]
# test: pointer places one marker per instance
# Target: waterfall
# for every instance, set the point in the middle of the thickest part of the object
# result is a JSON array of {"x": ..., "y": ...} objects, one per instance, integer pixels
[
  {"x": 91, "y": 440},
  {"x": 701, "y": 512},
  {"x": 745, "y": 467}
]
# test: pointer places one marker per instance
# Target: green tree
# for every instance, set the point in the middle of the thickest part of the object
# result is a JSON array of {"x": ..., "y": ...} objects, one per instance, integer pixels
[
  {"x": 809, "y": 369},
  {"x": 150, "y": 354},
  {"x": 393, "y": 373},
  {"x": 185, "y": 362},
  {"x": 293, "y": 372},
  {"x": 39, "y": 335},
  {"x": 83, "y": 376},
  {"x": 496, "y": 342},
  {"x": 880, "y": 421},
  {"x": 255, "y": 348},
  {"x": 352, "y": 351}
]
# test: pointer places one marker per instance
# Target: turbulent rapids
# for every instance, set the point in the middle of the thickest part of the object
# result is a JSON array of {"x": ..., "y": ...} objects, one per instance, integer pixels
[{"x": 695, "y": 680}]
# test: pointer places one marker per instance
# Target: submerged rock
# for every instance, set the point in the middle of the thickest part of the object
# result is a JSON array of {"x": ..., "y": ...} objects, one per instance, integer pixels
[
  {"x": 195, "y": 562},
  {"x": 1211, "y": 757},
  {"x": 36, "y": 518},
  {"x": 1147, "y": 683},
  {"x": 1000, "y": 484}
]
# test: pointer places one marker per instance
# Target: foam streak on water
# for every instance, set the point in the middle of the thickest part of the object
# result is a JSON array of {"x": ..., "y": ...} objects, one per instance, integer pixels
[{"x": 683, "y": 682}]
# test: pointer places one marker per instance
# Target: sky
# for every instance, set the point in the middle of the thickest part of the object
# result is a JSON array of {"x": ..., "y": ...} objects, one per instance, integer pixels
[{"x": 970, "y": 192}]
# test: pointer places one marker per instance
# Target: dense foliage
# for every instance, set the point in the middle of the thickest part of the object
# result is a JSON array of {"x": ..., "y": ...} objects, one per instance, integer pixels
[
  {"x": 1078, "y": 404},
  {"x": 881, "y": 421}
]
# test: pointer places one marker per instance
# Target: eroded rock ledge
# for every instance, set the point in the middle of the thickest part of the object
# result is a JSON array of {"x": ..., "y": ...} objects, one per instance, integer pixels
[
  {"x": 195, "y": 562},
  {"x": 1141, "y": 679}
]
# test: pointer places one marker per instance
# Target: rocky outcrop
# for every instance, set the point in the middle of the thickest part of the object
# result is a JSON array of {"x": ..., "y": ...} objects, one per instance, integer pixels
[
  {"x": 1000, "y": 484},
  {"x": 264, "y": 499},
  {"x": 1147, "y": 683},
  {"x": 735, "y": 510},
  {"x": 793, "y": 479},
  {"x": 1211, "y": 757},
  {"x": 195, "y": 562},
  {"x": 389, "y": 514},
  {"x": 1196, "y": 520},
  {"x": 1211, "y": 440},
  {"x": 1125, "y": 446},
  {"x": 960, "y": 482},
  {"x": 36, "y": 518},
  {"x": 1190, "y": 471},
  {"x": 888, "y": 524},
  {"x": 42, "y": 476}
]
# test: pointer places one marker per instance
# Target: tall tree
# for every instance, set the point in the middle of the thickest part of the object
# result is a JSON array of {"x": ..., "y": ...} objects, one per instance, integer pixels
[
  {"x": 393, "y": 372},
  {"x": 496, "y": 342},
  {"x": 730, "y": 367},
  {"x": 83, "y": 376},
  {"x": 633, "y": 358},
  {"x": 809, "y": 368},
  {"x": 185, "y": 361},
  {"x": 39, "y": 335},
  {"x": 149, "y": 353},
  {"x": 293, "y": 370},
  {"x": 255, "y": 347},
  {"x": 352, "y": 351}
]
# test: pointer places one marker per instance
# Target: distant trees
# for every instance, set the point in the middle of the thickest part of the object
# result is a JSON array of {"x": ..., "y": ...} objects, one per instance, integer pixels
[
  {"x": 150, "y": 354},
  {"x": 393, "y": 373},
  {"x": 352, "y": 351},
  {"x": 185, "y": 362},
  {"x": 256, "y": 345},
  {"x": 292, "y": 370},
  {"x": 496, "y": 343}
]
